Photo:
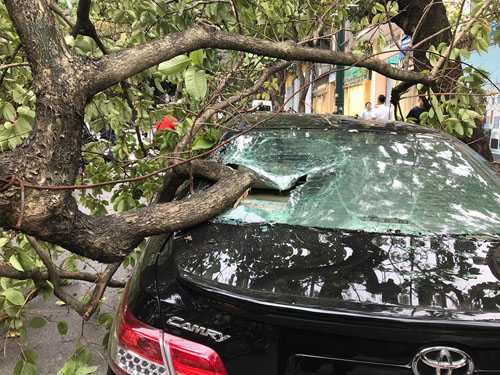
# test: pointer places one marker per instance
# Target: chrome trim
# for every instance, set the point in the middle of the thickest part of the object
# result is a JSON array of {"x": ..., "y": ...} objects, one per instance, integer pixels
[
  {"x": 165, "y": 353},
  {"x": 442, "y": 363}
]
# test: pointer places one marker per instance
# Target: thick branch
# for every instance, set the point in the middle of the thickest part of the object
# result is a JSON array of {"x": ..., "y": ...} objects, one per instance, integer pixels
[
  {"x": 42, "y": 41},
  {"x": 110, "y": 238},
  {"x": 116, "y": 67}
]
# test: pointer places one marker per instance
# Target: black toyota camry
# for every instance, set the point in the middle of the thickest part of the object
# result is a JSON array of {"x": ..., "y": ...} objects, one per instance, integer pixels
[{"x": 363, "y": 248}]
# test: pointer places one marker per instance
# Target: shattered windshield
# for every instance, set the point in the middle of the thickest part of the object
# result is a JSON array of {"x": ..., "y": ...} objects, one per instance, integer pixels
[{"x": 369, "y": 181}]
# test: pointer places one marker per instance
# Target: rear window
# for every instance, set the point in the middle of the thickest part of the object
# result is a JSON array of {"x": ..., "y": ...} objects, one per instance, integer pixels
[{"x": 368, "y": 181}]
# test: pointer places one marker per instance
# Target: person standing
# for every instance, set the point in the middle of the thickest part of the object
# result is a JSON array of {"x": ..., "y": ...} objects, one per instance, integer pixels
[
  {"x": 382, "y": 112},
  {"x": 415, "y": 112},
  {"x": 368, "y": 112}
]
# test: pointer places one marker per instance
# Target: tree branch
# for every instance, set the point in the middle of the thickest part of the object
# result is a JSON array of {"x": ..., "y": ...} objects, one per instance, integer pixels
[
  {"x": 53, "y": 277},
  {"x": 45, "y": 47},
  {"x": 118, "y": 66},
  {"x": 460, "y": 36},
  {"x": 85, "y": 310},
  {"x": 38, "y": 275},
  {"x": 84, "y": 26},
  {"x": 57, "y": 10},
  {"x": 212, "y": 110},
  {"x": 13, "y": 65},
  {"x": 110, "y": 238}
]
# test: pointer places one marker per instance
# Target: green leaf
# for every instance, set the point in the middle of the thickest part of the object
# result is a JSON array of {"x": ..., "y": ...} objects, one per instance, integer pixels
[
  {"x": 86, "y": 370},
  {"x": 30, "y": 356},
  {"x": 19, "y": 367},
  {"x": 483, "y": 44},
  {"x": 25, "y": 111},
  {"x": 22, "y": 126},
  {"x": 37, "y": 322},
  {"x": 15, "y": 263},
  {"x": 14, "y": 296},
  {"x": 197, "y": 57},
  {"x": 464, "y": 52},
  {"x": 83, "y": 44},
  {"x": 62, "y": 327},
  {"x": 106, "y": 319},
  {"x": 46, "y": 290},
  {"x": 9, "y": 112},
  {"x": 18, "y": 94},
  {"x": 158, "y": 85},
  {"x": 68, "y": 368},
  {"x": 23, "y": 335},
  {"x": 3, "y": 241},
  {"x": 175, "y": 65},
  {"x": 459, "y": 129},
  {"x": 379, "y": 7},
  {"x": 202, "y": 144},
  {"x": 196, "y": 83},
  {"x": 29, "y": 369}
]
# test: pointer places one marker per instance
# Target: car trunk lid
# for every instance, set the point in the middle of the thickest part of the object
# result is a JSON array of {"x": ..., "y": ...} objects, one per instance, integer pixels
[{"x": 417, "y": 277}]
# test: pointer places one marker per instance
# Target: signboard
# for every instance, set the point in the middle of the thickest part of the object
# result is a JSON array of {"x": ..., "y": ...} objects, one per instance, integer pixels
[
  {"x": 405, "y": 43},
  {"x": 393, "y": 60},
  {"x": 355, "y": 75}
]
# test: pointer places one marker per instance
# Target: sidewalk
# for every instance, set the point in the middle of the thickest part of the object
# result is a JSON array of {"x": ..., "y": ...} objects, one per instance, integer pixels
[{"x": 54, "y": 349}]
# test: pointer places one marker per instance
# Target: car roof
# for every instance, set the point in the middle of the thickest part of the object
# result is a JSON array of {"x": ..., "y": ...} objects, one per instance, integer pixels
[{"x": 295, "y": 121}]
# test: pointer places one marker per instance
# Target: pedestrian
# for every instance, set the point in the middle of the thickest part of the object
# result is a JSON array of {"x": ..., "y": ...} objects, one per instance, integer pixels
[
  {"x": 415, "y": 112},
  {"x": 368, "y": 112},
  {"x": 382, "y": 112}
]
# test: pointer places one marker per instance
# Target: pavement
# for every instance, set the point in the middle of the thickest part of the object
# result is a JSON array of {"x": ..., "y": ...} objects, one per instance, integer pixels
[{"x": 54, "y": 349}]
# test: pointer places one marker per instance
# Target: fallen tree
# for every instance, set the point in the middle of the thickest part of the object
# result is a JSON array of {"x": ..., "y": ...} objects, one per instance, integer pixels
[{"x": 40, "y": 171}]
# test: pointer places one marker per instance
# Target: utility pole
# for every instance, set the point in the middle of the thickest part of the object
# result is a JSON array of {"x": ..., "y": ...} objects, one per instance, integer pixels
[{"x": 339, "y": 74}]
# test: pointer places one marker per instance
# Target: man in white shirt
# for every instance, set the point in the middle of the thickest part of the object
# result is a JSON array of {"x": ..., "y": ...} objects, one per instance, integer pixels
[{"x": 382, "y": 112}]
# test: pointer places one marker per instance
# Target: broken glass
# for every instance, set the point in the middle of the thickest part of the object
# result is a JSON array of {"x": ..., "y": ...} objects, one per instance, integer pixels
[{"x": 369, "y": 181}]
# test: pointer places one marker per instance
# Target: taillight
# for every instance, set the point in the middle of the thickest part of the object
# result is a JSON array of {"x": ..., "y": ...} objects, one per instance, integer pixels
[
  {"x": 191, "y": 358},
  {"x": 135, "y": 349}
]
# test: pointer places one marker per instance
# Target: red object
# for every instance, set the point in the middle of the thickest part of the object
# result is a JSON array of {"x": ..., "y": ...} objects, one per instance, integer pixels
[
  {"x": 168, "y": 122},
  {"x": 139, "y": 337},
  {"x": 191, "y": 358},
  {"x": 188, "y": 357}
]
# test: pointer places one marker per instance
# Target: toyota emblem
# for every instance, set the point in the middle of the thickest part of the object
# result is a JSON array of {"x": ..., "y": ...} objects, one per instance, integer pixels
[{"x": 442, "y": 360}]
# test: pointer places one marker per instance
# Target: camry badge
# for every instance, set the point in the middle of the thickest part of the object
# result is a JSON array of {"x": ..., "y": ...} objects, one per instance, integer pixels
[
  {"x": 442, "y": 360},
  {"x": 199, "y": 330}
]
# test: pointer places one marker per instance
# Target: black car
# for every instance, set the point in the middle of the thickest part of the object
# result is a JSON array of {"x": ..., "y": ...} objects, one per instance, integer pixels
[{"x": 363, "y": 248}]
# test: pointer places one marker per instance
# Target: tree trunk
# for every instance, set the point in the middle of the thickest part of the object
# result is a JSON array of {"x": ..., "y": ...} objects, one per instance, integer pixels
[{"x": 433, "y": 21}]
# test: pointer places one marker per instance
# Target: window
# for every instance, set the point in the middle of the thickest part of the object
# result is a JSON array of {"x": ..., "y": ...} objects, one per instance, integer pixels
[
  {"x": 494, "y": 143},
  {"x": 364, "y": 181}
]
